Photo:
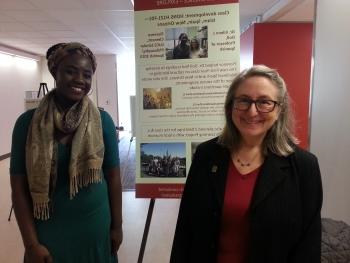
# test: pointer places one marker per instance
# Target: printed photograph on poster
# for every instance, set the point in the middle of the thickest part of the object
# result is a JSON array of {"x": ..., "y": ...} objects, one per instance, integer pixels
[
  {"x": 156, "y": 98},
  {"x": 186, "y": 42},
  {"x": 163, "y": 160}
]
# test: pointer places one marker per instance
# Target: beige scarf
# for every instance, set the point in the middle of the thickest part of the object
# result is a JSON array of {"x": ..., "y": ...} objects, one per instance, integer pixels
[{"x": 87, "y": 149}]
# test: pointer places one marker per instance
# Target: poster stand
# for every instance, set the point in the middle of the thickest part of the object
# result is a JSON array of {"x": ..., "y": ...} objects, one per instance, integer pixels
[{"x": 146, "y": 230}]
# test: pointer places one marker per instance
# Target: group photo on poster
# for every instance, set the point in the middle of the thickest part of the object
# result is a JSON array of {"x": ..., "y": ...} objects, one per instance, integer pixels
[
  {"x": 163, "y": 160},
  {"x": 186, "y": 42},
  {"x": 156, "y": 98}
]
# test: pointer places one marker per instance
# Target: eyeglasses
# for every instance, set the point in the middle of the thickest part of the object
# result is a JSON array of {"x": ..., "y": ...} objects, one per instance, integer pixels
[{"x": 261, "y": 105}]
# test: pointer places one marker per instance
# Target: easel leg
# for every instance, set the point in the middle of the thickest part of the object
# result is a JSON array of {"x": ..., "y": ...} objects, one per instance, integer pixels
[
  {"x": 145, "y": 232},
  {"x": 10, "y": 213}
]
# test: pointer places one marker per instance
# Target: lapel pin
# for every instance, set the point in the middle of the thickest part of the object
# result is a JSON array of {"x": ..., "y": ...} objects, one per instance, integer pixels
[{"x": 214, "y": 169}]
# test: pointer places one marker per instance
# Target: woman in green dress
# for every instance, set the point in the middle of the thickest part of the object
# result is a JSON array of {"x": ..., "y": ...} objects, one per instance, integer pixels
[{"x": 65, "y": 177}]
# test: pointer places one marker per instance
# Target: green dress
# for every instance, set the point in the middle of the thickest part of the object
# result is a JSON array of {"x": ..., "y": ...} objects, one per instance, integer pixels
[{"x": 78, "y": 229}]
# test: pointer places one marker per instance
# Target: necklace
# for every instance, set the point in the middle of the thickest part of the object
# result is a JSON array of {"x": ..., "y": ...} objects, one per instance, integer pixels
[
  {"x": 242, "y": 163},
  {"x": 246, "y": 164}
]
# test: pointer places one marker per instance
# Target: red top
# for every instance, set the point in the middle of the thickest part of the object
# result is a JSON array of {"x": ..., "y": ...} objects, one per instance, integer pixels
[{"x": 234, "y": 233}]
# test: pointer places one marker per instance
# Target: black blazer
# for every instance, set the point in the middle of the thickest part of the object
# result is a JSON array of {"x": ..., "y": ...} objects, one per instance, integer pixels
[{"x": 285, "y": 221}]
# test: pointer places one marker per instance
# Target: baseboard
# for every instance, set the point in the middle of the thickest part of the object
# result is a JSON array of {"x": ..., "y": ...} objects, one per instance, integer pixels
[{"x": 5, "y": 156}]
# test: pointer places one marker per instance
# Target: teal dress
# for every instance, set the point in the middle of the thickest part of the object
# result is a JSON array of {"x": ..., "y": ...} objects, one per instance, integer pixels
[{"x": 79, "y": 229}]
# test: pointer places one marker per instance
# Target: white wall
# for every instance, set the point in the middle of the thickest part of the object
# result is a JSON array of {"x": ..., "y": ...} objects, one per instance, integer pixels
[
  {"x": 106, "y": 85},
  {"x": 330, "y": 120},
  {"x": 126, "y": 88},
  {"x": 15, "y": 80},
  {"x": 46, "y": 75}
]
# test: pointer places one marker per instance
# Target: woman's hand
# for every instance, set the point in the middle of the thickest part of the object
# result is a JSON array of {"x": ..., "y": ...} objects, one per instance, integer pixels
[
  {"x": 115, "y": 199},
  {"x": 116, "y": 239},
  {"x": 37, "y": 254},
  {"x": 22, "y": 205}
]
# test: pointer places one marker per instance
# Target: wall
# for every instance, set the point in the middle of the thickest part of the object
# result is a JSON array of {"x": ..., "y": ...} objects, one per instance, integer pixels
[
  {"x": 126, "y": 88},
  {"x": 15, "y": 80},
  {"x": 247, "y": 48},
  {"x": 330, "y": 121},
  {"x": 106, "y": 85},
  {"x": 287, "y": 47},
  {"x": 46, "y": 75}
]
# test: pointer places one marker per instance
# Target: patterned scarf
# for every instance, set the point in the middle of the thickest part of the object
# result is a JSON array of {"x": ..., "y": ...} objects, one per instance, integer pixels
[{"x": 87, "y": 149}]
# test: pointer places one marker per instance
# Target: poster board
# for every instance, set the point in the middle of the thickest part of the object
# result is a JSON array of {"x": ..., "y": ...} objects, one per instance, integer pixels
[{"x": 180, "y": 85}]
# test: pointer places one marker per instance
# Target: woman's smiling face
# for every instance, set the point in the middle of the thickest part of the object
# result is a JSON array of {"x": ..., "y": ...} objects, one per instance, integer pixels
[
  {"x": 251, "y": 123},
  {"x": 73, "y": 78}
]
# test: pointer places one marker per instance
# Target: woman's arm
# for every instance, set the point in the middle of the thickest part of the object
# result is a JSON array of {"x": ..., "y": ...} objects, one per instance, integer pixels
[
  {"x": 308, "y": 249},
  {"x": 183, "y": 231},
  {"x": 112, "y": 175},
  {"x": 115, "y": 199},
  {"x": 21, "y": 201}
]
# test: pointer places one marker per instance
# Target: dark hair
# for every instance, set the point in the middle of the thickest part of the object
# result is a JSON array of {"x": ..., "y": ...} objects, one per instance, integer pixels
[
  {"x": 195, "y": 40},
  {"x": 53, "y": 49},
  {"x": 280, "y": 138},
  {"x": 182, "y": 35}
]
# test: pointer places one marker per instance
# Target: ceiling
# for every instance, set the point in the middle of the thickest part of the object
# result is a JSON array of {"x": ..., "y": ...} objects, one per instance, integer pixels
[{"x": 107, "y": 26}]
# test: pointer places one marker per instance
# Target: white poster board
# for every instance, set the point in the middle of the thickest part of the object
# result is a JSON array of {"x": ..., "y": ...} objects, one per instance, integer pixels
[{"x": 180, "y": 98}]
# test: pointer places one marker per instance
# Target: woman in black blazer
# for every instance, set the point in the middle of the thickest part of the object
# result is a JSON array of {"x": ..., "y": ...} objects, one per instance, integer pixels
[{"x": 252, "y": 195}]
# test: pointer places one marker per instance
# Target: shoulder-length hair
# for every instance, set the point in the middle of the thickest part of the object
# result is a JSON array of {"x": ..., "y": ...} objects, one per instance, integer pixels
[{"x": 280, "y": 138}]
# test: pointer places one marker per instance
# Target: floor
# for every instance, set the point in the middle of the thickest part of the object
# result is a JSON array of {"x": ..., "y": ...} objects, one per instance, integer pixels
[
  {"x": 134, "y": 216},
  {"x": 127, "y": 160}
]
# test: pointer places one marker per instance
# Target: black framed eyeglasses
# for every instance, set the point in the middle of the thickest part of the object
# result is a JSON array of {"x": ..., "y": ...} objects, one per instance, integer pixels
[{"x": 261, "y": 105}]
